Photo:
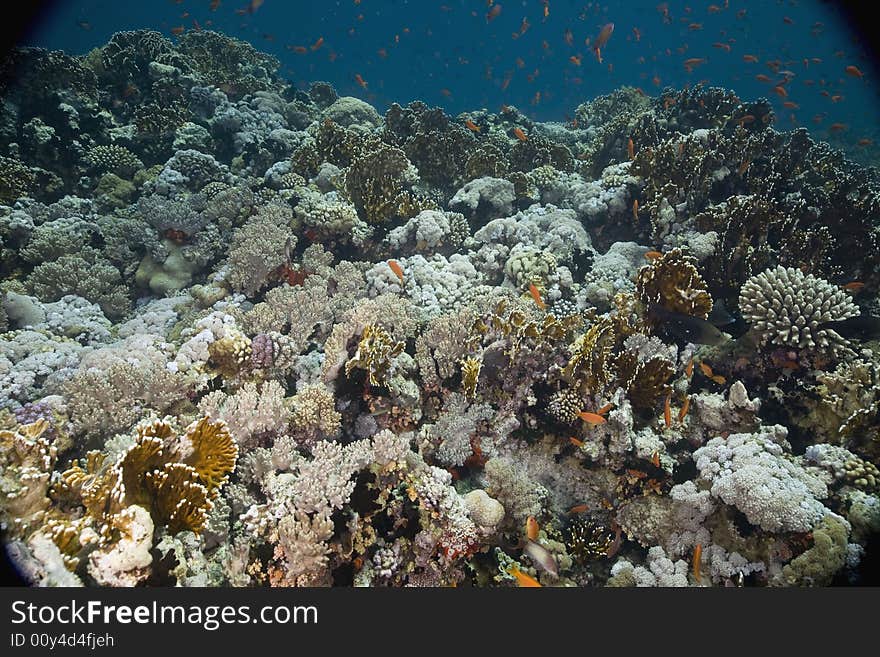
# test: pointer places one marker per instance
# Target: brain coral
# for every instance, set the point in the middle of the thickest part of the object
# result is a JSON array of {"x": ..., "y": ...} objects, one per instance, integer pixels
[{"x": 789, "y": 308}]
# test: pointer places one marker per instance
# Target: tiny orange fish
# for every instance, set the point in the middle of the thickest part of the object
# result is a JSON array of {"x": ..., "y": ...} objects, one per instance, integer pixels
[
  {"x": 396, "y": 268},
  {"x": 837, "y": 127},
  {"x": 705, "y": 369},
  {"x": 177, "y": 31},
  {"x": 697, "y": 560},
  {"x": 579, "y": 508},
  {"x": 750, "y": 58},
  {"x": 684, "y": 409},
  {"x": 748, "y": 118},
  {"x": 653, "y": 255},
  {"x": 523, "y": 580},
  {"x": 575, "y": 59},
  {"x": 854, "y": 286},
  {"x": 636, "y": 210},
  {"x": 655, "y": 459},
  {"x": 689, "y": 370},
  {"x": 532, "y": 528},
  {"x": 317, "y": 44},
  {"x": 604, "y": 410},
  {"x": 630, "y": 149},
  {"x": 760, "y": 77},
  {"x": 717, "y": 378},
  {"x": 667, "y": 411},
  {"x": 520, "y": 134},
  {"x": 743, "y": 167},
  {"x": 591, "y": 418},
  {"x": 854, "y": 71},
  {"x": 536, "y": 295},
  {"x": 470, "y": 125},
  {"x": 689, "y": 64},
  {"x": 577, "y": 443},
  {"x": 360, "y": 80}
]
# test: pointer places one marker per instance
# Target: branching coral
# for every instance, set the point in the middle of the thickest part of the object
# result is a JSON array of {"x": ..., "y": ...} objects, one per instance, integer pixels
[{"x": 787, "y": 307}]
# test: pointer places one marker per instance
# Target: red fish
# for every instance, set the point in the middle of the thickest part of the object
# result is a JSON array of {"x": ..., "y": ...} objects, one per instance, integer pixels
[
  {"x": 854, "y": 71},
  {"x": 360, "y": 80},
  {"x": 493, "y": 12}
]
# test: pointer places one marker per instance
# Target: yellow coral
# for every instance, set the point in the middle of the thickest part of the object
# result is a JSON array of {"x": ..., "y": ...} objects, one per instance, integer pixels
[
  {"x": 590, "y": 363},
  {"x": 374, "y": 353},
  {"x": 470, "y": 373},
  {"x": 230, "y": 354},
  {"x": 672, "y": 281}
]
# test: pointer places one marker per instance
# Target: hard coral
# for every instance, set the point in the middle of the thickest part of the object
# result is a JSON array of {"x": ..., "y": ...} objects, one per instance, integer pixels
[
  {"x": 672, "y": 281},
  {"x": 789, "y": 308}
]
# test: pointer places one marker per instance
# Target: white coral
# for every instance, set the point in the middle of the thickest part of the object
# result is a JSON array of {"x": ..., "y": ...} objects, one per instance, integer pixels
[
  {"x": 789, "y": 308},
  {"x": 751, "y": 472}
]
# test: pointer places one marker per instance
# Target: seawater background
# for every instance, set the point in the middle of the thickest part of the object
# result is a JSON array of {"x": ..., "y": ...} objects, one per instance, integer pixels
[{"x": 446, "y": 52}]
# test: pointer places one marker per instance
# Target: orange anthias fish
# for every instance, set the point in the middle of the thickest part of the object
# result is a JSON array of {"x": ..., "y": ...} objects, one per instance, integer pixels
[
  {"x": 750, "y": 58},
  {"x": 602, "y": 39},
  {"x": 854, "y": 71},
  {"x": 532, "y": 528},
  {"x": 493, "y": 12},
  {"x": 536, "y": 295},
  {"x": 705, "y": 369},
  {"x": 317, "y": 44},
  {"x": 854, "y": 286},
  {"x": 667, "y": 411},
  {"x": 636, "y": 210},
  {"x": 653, "y": 255},
  {"x": 396, "y": 268},
  {"x": 579, "y": 508},
  {"x": 689, "y": 370},
  {"x": 631, "y": 149},
  {"x": 523, "y": 580},
  {"x": 360, "y": 80},
  {"x": 655, "y": 459},
  {"x": 470, "y": 125},
  {"x": 177, "y": 31},
  {"x": 577, "y": 443},
  {"x": 591, "y": 418},
  {"x": 604, "y": 410},
  {"x": 684, "y": 409},
  {"x": 697, "y": 561},
  {"x": 520, "y": 134}
]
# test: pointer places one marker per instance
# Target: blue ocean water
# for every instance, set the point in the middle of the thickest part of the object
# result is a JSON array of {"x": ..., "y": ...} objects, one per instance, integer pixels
[{"x": 534, "y": 54}]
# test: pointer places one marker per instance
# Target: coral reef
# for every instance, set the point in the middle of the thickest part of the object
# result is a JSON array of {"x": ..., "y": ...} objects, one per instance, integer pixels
[{"x": 259, "y": 335}]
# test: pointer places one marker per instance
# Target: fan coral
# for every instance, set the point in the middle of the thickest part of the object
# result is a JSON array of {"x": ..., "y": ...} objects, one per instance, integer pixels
[{"x": 789, "y": 308}]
